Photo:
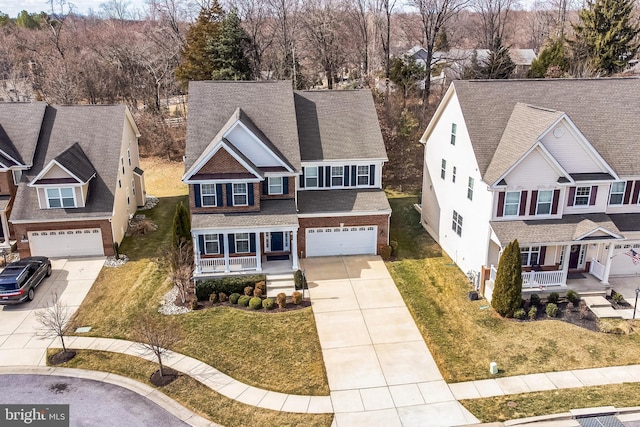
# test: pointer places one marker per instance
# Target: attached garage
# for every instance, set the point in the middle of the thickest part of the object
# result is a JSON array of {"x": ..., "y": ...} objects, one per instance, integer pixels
[
  {"x": 622, "y": 264},
  {"x": 327, "y": 241},
  {"x": 66, "y": 243}
]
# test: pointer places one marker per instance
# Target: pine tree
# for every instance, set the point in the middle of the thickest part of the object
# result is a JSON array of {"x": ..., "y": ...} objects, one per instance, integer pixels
[
  {"x": 553, "y": 55},
  {"x": 499, "y": 64},
  {"x": 181, "y": 225},
  {"x": 606, "y": 35},
  {"x": 195, "y": 63},
  {"x": 227, "y": 51},
  {"x": 507, "y": 290}
]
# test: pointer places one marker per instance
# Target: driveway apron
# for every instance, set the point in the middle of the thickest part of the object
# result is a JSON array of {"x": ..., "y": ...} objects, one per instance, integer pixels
[{"x": 379, "y": 368}]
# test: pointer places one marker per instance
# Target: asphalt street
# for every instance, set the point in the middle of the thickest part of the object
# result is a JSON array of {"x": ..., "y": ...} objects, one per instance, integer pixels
[{"x": 92, "y": 403}]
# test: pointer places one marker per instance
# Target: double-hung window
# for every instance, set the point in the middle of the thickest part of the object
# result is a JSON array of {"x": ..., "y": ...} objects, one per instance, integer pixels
[
  {"x": 582, "y": 196},
  {"x": 443, "y": 169},
  {"x": 454, "y": 128},
  {"x": 543, "y": 205},
  {"x": 311, "y": 176},
  {"x": 61, "y": 198},
  {"x": 530, "y": 255},
  {"x": 363, "y": 175},
  {"x": 617, "y": 193},
  {"x": 240, "y": 194},
  {"x": 337, "y": 176},
  {"x": 470, "y": 189},
  {"x": 208, "y": 194},
  {"x": 456, "y": 223},
  {"x": 275, "y": 185},
  {"x": 453, "y": 174},
  {"x": 242, "y": 243},
  {"x": 211, "y": 244},
  {"x": 512, "y": 203}
]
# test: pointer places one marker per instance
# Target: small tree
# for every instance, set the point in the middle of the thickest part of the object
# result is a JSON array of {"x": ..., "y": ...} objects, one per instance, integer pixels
[
  {"x": 507, "y": 290},
  {"x": 499, "y": 64},
  {"x": 228, "y": 50},
  {"x": 54, "y": 320},
  {"x": 181, "y": 225},
  {"x": 553, "y": 55},
  {"x": 180, "y": 260},
  {"x": 156, "y": 336}
]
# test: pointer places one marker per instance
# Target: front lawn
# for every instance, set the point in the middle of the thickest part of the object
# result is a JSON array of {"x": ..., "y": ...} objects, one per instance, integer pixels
[
  {"x": 465, "y": 336},
  {"x": 274, "y": 351}
]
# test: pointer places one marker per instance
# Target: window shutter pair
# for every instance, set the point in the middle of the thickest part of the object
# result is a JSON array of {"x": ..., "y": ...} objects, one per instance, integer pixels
[{"x": 592, "y": 198}]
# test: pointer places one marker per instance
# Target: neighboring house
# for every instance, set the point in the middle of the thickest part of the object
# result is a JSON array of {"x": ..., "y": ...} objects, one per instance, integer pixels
[
  {"x": 549, "y": 162},
  {"x": 78, "y": 191},
  {"x": 275, "y": 175}
]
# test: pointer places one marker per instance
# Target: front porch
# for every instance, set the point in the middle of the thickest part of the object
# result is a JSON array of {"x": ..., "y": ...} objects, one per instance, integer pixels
[{"x": 244, "y": 265}]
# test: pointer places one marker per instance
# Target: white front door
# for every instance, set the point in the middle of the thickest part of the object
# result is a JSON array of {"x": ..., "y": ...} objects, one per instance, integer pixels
[
  {"x": 64, "y": 243},
  {"x": 327, "y": 241}
]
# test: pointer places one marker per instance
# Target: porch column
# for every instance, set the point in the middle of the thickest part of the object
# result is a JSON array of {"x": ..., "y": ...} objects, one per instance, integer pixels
[
  {"x": 607, "y": 266},
  {"x": 258, "y": 253},
  {"x": 294, "y": 249},
  {"x": 5, "y": 229},
  {"x": 565, "y": 263},
  {"x": 196, "y": 253},
  {"x": 226, "y": 251}
]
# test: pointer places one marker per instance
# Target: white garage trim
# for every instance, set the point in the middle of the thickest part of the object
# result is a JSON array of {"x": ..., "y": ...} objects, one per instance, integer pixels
[
  {"x": 327, "y": 241},
  {"x": 623, "y": 264},
  {"x": 65, "y": 243}
]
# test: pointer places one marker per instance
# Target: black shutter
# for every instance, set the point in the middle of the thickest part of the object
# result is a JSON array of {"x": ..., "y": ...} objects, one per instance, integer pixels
[
  {"x": 353, "y": 176},
  {"x": 346, "y": 176},
  {"x": 534, "y": 202},
  {"x": 372, "y": 174},
  {"x": 285, "y": 185},
  {"x": 201, "y": 244},
  {"x": 265, "y": 187},
  {"x": 594, "y": 193},
  {"x": 229, "y": 195},
  {"x": 327, "y": 176},
  {"x": 500, "y": 204},
  {"x": 320, "y": 176},
  {"x": 252, "y": 242},
  {"x": 572, "y": 196},
  {"x": 250, "y": 191},
  {"x": 196, "y": 192},
  {"x": 627, "y": 192},
  {"x": 523, "y": 203},
  {"x": 636, "y": 192},
  {"x": 543, "y": 252},
  {"x": 219, "y": 201},
  {"x": 232, "y": 243},
  {"x": 302, "y": 179},
  {"x": 556, "y": 200},
  {"x": 221, "y": 243}
]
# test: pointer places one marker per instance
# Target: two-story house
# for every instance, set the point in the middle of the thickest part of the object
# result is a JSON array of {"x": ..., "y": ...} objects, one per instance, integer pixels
[
  {"x": 551, "y": 163},
  {"x": 80, "y": 184},
  {"x": 275, "y": 175}
]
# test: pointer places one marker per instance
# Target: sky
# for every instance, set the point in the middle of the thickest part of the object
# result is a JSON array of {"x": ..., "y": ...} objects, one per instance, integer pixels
[{"x": 83, "y": 7}]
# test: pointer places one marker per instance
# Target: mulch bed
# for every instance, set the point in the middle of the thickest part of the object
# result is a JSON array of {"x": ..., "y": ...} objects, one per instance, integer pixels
[
  {"x": 61, "y": 357},
  {"x": 622, "y": 305},
  {"x": 170, "y": 375},
  {"x": 306, "y": 302},
  {"x": 565, "y": 314}
]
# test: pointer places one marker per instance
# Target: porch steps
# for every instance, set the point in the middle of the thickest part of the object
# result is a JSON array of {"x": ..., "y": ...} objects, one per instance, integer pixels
[
  {"x": 601, "y": 307},
  {"x": 277, "y": 283},
  {"x": 596, "y": 301}
]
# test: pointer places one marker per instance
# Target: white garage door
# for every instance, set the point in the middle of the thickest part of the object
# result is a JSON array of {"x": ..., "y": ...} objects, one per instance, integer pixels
[
  {"x": 622, "y": 262},
  {"x": 341, "y": 241},
  {"x": 64, "y": 243}
]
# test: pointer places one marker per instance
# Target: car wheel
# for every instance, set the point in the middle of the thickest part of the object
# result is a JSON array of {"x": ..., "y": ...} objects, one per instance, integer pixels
[
  {"x": 49, "y": 270},
  {"x": 30, "y": 294}
]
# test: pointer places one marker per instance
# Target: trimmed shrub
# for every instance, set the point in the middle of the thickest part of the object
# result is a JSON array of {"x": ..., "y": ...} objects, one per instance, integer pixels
[
  {"x": 268, "y": 303},
  {"x": 553, "y": 298},
  {"x": 257, "y": 292},
  {"x": 551, "y": 310},
  {"x": 519, "y": 314},
  {"x": 262, "y": 285},
  {"x": 248, "y": 290},
  {"x": 617, "y": 297},
  {"x": 243, "y": 300},
  {"x": 300, "y": 280},
  {"x": 228, "y": 285},
  {"x": 533, "y": 312},
  {"x": 508, "y": 284},
  {"x": 213, "y": 298},
  {"x": 255, "y": 303},
  {"x": 534, "y": 299},
  {"x": 281, "y": 300},
  {"x": 233, "y": 298},
  {"x": 573, "y": 296},
  {"x": 385, "y": 251},
  {"x": 296, "y": 298},
  {"x": 222, "y": 297}
]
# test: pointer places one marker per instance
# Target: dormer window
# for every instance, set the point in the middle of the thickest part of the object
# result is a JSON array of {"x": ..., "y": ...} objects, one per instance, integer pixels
[
  {"x": 275, "y": 185},
  {"x": 363, "y": 175},
  {"x": 617, "y": 193},
  {"x": 61, "y": 198},
  {"x": 337, "y": 176},
  {"x": 582, "y": 196},
  {"x": 311, "y": 176}
]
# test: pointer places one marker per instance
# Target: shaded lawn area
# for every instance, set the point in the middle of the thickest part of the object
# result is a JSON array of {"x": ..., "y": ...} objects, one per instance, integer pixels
[
  {"x": 275, "y": 351},
  {"x": 193, "y": 394},
  {"x": 503, "y": 408},
  {"x": 464, "y": 336}
]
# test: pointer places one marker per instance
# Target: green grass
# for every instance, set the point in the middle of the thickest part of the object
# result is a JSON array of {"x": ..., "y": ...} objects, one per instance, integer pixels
[
  {"x": 503, "y": 408},
  {"x": 193, "y": 394},
  {"x": 464, "y": 337},
  {"x": 274, "y": 351}
]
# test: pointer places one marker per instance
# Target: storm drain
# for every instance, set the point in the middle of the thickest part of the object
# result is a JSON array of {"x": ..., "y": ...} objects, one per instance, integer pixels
[{"x": 602, "y": 421}]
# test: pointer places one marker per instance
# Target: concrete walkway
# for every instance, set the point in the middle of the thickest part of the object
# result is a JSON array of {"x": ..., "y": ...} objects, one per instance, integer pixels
[{"x": 379, "y": 368}]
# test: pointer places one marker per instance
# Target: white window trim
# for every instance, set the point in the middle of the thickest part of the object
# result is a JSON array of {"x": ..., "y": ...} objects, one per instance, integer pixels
[
  {"x": 245, "y": 194},
  {"x": 550, "y": 202},
  {"x": 341, "y": 176},
  {"x": 454, "y": 171},
  {"x": 133, "y": 186},
  {"x": 215, "y": 239},
  {"x": 529, "y": 251},
  {"x": 504, "y": 210},
  {"x": 454, "y": 131},
  {"x": 621, "y": 194},
  {"x": 443, "y": 169},
  {"x": 203, "y": 195},
  {"x": 359, "y": 175},
  {"x": 236, "y": 240},
  {"x": 470, "y": 184},
  {"x": 588, "y": 196},
  {"x": 59, "y": 190},
  {"x": 281, "y": 185},
  {"x": 307, "y": 177},
  {"x": 129, "y": 156},
  {"x": 456, "y": 223}
]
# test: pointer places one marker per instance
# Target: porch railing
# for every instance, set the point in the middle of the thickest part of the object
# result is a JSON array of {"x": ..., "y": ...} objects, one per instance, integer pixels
[
  {"x": 537, "y": 279},
  {"x": 218, "y": 265},
  {"x": 596, "y": 269}
]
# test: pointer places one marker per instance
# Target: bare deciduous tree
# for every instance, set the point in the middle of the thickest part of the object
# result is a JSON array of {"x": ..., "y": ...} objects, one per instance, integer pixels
[
  {"x": 156, "y": 336},
  {"x": 493, "y": 16},
  {"x": 54, "y": 320},
  {"x": 180, "y": 260}
]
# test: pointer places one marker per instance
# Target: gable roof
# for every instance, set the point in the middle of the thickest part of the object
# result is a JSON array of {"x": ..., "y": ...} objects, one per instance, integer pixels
[
  {"x": 338, "y": 125},
  {"x": 20, "y": 125},
  {"x": 97, "y": 131},
  {"x": 75, "y": 162},
  {"x": 606, "y": 111},
  {"x": 266, "y": 105}
]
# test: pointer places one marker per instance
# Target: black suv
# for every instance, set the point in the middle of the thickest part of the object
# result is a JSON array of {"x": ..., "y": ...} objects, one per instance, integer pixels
[{"x": 19, "y": 279}]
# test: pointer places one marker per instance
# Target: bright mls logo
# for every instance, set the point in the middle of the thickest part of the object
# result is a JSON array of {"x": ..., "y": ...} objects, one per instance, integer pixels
[{"x": 34, "y": 415}]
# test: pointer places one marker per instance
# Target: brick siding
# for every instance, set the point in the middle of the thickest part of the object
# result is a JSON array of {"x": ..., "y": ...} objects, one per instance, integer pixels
[
  {"x": 222, "y": 162},
  {"x": 290, "y": 195},
  {"x": 257, "y": 187}
]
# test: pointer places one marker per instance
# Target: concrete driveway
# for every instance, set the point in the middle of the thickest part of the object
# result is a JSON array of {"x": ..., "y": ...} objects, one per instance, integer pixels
[
  {"x": 379, "y": 368},
  {"x": 70, "y": 280}
]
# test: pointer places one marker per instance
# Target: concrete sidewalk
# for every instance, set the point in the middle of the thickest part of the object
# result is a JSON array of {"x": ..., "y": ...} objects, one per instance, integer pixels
[{"x": 379, "y": 368}]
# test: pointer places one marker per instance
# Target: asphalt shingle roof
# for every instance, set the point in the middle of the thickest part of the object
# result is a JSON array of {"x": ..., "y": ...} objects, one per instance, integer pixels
[
  {"x": 338, "y": 125},
  {"x": 98, "y": 131},
  {"x": 76, "y": 162},
  {"x": 332, "y": 201},
  {"x": 606, "y": 111},
  {"x": 20, "y": 125},
  {"x": 273, "y": 213}
]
